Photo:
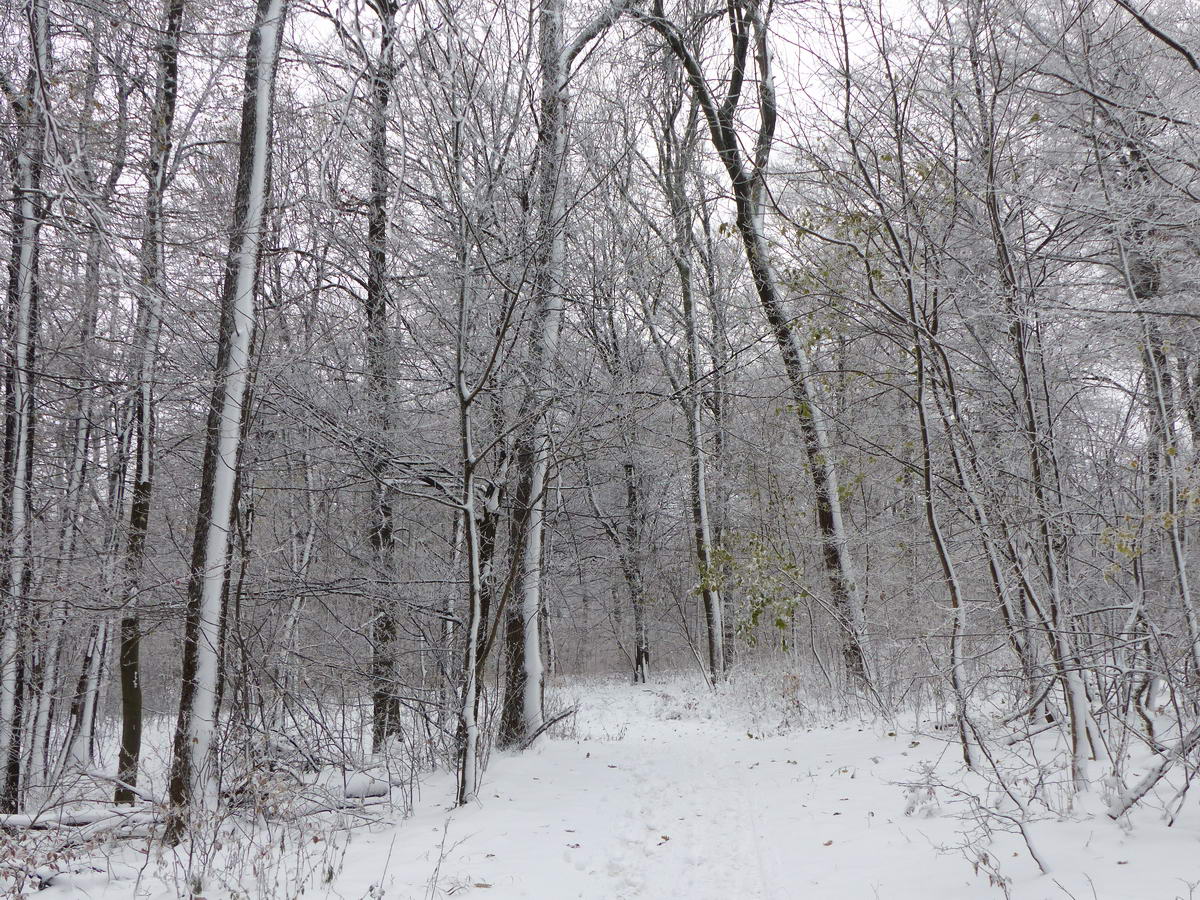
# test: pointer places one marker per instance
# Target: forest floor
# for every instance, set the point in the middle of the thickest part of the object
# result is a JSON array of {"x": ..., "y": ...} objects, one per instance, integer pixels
[{"x": 663, "y": 791}]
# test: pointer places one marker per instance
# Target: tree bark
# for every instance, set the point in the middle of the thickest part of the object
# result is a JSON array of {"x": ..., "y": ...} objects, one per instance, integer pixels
[
  {"x": 524, "y": 683},
  {"x": 150, "y": 298},
  {"x": 676, "y": 153},
  {"x": 28, "y": 109},
  {"x": 385, "y": 705},
  {"x": 192, "y": 786}
]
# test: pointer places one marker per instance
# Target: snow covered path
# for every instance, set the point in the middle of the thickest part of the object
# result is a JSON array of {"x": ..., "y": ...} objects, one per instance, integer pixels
[
  {"x": 641, "y": 807},
  {"x": 687, "y": 812},
  {"x": 657, "y": 799},
  {"x": 670, "y": 792}
]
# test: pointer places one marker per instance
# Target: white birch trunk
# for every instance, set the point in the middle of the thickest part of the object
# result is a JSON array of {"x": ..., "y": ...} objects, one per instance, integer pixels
[{"x": 78, "y": 755}]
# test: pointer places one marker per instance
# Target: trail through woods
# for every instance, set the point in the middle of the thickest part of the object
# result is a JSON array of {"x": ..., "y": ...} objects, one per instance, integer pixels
[
  {"x": 664, "y": 791},
  {"x": 677, "y": 808}
]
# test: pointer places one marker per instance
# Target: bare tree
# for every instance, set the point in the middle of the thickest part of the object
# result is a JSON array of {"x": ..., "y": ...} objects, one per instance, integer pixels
[
  {"x": 28, "y": 105},
  {"x": 146, "y": 348},
  {"x": 750, "y": 50},
  {"x": 193, "y": 772}
]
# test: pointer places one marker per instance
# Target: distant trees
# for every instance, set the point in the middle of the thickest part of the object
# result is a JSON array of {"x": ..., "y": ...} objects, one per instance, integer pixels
[{"x": 750, "y": 52}]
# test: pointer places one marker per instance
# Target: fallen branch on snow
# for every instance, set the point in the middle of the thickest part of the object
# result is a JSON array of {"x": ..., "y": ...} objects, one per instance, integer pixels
[
  {"x": 1130, "y": 797},
  {"x": 548, "y": 724}
]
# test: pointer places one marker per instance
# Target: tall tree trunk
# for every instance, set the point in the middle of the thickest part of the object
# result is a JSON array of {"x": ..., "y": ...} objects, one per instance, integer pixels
[
  {"x": 20, "y": 409},
  {"x": 479, "y": 506},
  {"x": 1035, "y": 424},
  {"x": 676, "y": 154},
  {"x": 522, "y": 711},
  {"x": 718, "y": 401},
  {"x": 99, "y": 196},
  {"x": 193, "y": 776},
  {"x": 627, "y": 541},
  {"x": 1142, "y": 280},
  {"x": 145, "y": 349},
  {"x": 635, "y": 518},
  {"x": 746, "y": 177},
  {"x": 474, "y": 648},
  {"x": 385, "y": 704},
  {"x": 958, "y": 622}
]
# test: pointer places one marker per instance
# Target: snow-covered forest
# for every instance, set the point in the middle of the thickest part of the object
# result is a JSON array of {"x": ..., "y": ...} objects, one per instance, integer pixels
[{"x": 577, "y": 448}]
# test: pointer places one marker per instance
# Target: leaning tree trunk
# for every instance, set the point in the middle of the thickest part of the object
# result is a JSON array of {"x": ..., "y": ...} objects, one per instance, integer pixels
[
  {"x": 746, "y": 177},
  {"x": 193, "y": 776},
  {"x": 80, "y": 748}
]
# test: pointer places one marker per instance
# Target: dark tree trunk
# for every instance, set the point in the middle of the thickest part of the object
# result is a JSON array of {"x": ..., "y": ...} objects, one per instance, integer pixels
[{"x": 146, "y": 349}]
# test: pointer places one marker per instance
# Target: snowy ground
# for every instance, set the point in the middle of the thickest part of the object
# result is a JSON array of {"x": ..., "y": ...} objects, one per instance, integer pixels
[{"x": 664, "y": 792}]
